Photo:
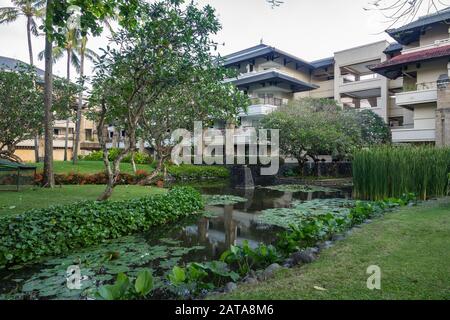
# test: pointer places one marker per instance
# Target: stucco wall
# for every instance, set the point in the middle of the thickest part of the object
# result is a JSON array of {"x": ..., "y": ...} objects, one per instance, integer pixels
[{"x": 425, "y": 116}]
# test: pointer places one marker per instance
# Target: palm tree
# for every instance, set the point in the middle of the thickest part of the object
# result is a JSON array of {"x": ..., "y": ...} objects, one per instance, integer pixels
[
  {"x": 30, "y": 9},
  {"x": 76, "y": 51}
]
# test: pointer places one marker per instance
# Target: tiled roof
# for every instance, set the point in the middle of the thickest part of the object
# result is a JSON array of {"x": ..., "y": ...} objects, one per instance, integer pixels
[
  {"x": 417, "y": 56},
  {"x": 322, "y": 63},
  {"x": 393, "y": 47},
  {"x": 411, "y": 31},
  {"x": 261, "y": 50},
  {"x": 11, "y": 64},
  {"x": 272, "y": 75}
]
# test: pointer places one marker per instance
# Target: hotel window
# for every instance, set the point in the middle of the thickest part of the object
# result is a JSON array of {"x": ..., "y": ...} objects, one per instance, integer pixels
[
  {"x": 396, "y": 122},
  {"x": 89, "y": 136},
  {"x": 56, "y": 132}
]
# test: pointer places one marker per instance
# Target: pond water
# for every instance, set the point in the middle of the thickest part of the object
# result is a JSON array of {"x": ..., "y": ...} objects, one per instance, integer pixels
[{"x": 199, "y": 239}]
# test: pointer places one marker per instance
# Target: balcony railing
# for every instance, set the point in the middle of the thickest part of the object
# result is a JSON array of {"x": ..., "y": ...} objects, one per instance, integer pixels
[
  {"x": 413, "y": 135},
  {"x": 424, "y": 92},
  {"x": 268, "y": 101},
  {"x": 435, "y": 44}
]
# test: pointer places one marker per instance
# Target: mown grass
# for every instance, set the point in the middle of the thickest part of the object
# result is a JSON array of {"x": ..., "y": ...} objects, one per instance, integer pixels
[
  {"x": 17, "y": 202},
  {"x": 91, "y": 167},
  {"x": 411, "y": 246}
]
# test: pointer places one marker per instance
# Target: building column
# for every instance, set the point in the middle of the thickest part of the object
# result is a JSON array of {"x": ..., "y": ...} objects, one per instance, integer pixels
[{"x": 443, "y": 117}]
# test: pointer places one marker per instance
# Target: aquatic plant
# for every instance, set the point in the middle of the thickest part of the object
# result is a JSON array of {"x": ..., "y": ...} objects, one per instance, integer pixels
[
  {"x": 56, "y": 230},
  {"x": 244, "y": 258},
  {"x": 125, "y": 289},
  {"x": 222, "y": 200},
  {"x": 384, "y": 172},
  {"x": 300, "y": 210},
  {"x": 301, "y": 188}
]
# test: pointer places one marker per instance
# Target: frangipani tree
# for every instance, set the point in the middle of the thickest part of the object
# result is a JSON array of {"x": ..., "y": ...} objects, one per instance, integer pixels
[{"x": 148, "y": 65}]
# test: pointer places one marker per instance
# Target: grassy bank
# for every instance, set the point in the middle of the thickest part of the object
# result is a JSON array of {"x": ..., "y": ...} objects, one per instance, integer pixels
[
  {"x": 411, "y": 246},
  {"x": 17, "y": 202}
]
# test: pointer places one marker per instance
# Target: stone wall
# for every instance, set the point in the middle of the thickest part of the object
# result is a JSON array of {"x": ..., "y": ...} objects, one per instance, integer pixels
[{"x": 443, "y": 117}]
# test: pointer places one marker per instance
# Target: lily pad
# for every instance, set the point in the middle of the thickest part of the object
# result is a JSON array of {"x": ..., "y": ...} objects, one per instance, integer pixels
[
  {"x": 301, "y": 188},
  {"x": 223, "y": 200}
]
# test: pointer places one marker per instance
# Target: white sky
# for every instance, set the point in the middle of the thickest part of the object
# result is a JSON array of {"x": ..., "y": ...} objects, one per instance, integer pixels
[{"x": 309, "y": 29}]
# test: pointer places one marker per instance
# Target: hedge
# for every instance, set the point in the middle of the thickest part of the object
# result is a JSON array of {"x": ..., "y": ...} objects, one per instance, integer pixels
[
  {"x": 194, "y": 172},
  {"x": 59, "y": 229}
]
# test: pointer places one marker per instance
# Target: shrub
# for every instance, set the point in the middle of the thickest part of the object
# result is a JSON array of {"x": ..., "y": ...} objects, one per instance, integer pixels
[
  {"x": 139, "y": 157},
  {"x": 384, "y": 172},
  {"x": 193, "y": 172},
  {"x": 56, "y": 230}
]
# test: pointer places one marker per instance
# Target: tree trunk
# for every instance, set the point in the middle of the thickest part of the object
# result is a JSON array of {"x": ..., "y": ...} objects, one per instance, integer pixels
[
  {"x": 150, "y": 179},
  {"x": 30, "y": 53},
  {"x": 49, "y": 178},
  {"x": 80, "y": 103},
  {"x": 66, "y": 138},
  {"x": 133, "y": 163}
]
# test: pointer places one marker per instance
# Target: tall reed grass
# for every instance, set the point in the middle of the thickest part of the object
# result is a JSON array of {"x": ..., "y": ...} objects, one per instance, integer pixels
[{"x": 384, "y": 172}]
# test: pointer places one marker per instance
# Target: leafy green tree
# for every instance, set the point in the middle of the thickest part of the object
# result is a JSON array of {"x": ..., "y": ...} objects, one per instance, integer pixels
[
  {"x": 313, "y": 127},
  {"x": 93, "y": 12},
  {"x": 31, "y": 10},
  {"x": 20, "y": 109},
  {"x": 150, "y": 71}
]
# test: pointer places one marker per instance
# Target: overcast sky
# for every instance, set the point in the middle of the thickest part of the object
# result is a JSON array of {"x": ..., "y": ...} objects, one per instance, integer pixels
[{"x": 309, "y": 29}]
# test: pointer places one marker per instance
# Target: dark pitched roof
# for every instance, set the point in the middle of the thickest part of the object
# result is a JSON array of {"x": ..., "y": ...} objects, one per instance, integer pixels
[
  {"x": 12, "y": 64},
  {"x": 392, "y": 68},
  {"x": 393, "y": 48},
  {"x": 323, "y": 63},
  {"x": 259, "y": 51},
  {"x": 273, "y": 75},
  {"x": 411, "y": 31}
]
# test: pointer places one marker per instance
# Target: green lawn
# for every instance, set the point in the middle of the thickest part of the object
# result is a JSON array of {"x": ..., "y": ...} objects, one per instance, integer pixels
[
  {"x": 91, "y": 167},
  {"x": 411, "y": 246},
  {"x": 17, "y": 202}
]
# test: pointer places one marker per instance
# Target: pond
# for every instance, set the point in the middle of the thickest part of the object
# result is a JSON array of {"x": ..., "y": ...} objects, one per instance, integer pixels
[{"x": 234, "y": 217}]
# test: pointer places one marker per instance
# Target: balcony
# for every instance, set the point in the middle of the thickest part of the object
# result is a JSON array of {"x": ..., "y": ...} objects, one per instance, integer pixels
[
  {"x": 420, "y": 93},
  {"x": 435, "y": 44},
  {"x": 413, "y": 135},
  {"x": 262, "y": 107}
]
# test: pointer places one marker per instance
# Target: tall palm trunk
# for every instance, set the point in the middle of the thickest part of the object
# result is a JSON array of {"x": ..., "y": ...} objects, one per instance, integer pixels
[
  {"x": 66, "y": 138},
  {"x": 49, "y": 178},
  {"x": 30, "y": 52},
  {"x": 80, "y": 101}
]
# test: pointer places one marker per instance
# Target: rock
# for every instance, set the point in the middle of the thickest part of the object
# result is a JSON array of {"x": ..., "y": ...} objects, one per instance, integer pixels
[
  {"x": 230, "y": 287},
  {"x": 270, "y": 270},
  {"x": 289, "y": 263},
  {"x": 325, "y": 245},
  {"x": 337, "y": 237},
  {"x": 368, "y": 221},
  {"x": 251, "y": 280},
  {"x": 305, "y": 256}
]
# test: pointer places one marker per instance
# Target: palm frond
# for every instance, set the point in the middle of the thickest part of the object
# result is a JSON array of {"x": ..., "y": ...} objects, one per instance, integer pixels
[
  {"x": 9, "y": 14},
  {"x": 34, "y": 28},
  {"x": 76, "y": 62},
  {"x": 91, "y": 55}
]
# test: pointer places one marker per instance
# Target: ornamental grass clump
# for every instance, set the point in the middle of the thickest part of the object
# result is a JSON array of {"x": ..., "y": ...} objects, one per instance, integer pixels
[
  {"x": 385, "y": 172},
  {"x": 56, "y": 230}
]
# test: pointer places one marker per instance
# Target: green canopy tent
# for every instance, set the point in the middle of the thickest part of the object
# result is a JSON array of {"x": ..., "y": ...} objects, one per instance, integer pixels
[{"x": 15, "y": 176}]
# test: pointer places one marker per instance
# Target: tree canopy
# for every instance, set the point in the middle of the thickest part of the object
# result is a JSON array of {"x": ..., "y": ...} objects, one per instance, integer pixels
[{"x": 310, "y": 128}]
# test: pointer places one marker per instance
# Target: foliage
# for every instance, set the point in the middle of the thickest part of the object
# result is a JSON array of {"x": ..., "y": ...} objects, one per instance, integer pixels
[
  {"x": 196, "y": 278},
  {"x": 222, "y": 200},
  {"x": 301, "y": 188},
  {"x": 322, "y": 226},
  {"x": 193, "y": 172},
  {"x": 124, "y": 289},
  {"x": 20, "y": 103},
  {"x": 313, "y": 127},
  {"x": 384, "y": 172},
  {"x": 285, "y": 217},
  {"x": 139, "y": 158},
  {"x": 245, "y": 259},
  {"x": 38, "y": 233}
]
